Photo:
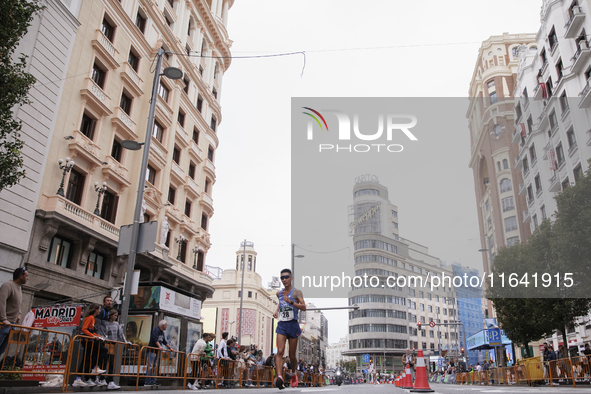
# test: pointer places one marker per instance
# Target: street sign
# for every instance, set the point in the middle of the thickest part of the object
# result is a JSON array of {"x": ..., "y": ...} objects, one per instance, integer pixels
[
  {"x": 365, "y": 371},
  {"x": 365, "y": 358},
  {"x": 494, "y": 337},
  {"x": 431, "y": 324},
  {"x": 146, "y": 238},
  {"x": 440, "y": 362}
]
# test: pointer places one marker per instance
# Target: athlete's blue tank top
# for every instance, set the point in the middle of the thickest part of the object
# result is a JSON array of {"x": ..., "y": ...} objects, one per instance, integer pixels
[{"x": 284, "y": 307}]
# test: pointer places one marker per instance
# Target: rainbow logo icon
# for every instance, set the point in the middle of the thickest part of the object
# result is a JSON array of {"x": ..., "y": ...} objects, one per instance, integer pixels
[{"x": 315, "y": 118}]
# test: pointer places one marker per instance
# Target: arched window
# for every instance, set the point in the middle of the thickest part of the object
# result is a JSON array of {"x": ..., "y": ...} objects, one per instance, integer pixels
[
  {"x": 505, "y": 185},
  {"x": 505, "y": 164},
  {"x": 499, "y": 165}
]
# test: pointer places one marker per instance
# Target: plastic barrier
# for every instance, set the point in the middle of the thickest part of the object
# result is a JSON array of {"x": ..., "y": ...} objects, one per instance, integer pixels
[{"x": 34, "y": 353}]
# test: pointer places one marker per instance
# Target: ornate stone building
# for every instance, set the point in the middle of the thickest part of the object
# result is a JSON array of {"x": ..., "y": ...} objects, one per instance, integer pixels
[{"x": 105, "y": 100}]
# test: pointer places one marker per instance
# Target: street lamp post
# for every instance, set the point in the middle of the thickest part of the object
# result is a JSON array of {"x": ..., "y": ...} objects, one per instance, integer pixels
[
  {"x": 171, "y": 73},
  {"x": 100, "y": 191},
  {"x": 67, "y": 166},
  {"x": 293, "y": 257},
  {"x": 244, "y": 245},
  {"x": 230, "y": 323}
]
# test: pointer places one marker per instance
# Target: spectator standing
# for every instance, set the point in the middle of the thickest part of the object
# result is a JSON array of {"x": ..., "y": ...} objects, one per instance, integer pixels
[
  {"x": 93, "y": 349},
  {"x": 112, "y": 330},
  {"x": 103, "y": 315},
  {"x": 11, "y": 297},
  {"x": 198, "y": 362},
  {"x": 157, "y": 340}
]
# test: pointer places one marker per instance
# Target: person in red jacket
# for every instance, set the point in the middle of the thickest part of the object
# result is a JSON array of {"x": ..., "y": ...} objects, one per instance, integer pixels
[{"x": 94, "y": 350}]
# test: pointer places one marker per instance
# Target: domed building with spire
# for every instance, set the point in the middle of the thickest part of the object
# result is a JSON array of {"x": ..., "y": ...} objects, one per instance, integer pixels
[{"x": 259, "y": 303}]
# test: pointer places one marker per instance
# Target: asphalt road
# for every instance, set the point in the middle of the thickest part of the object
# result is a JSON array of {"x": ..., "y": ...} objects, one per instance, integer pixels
[{"x": 385, "y": 388}]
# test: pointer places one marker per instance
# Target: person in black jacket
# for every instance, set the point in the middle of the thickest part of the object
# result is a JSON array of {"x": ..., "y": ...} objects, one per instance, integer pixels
[{"x": 157, "y": 340}]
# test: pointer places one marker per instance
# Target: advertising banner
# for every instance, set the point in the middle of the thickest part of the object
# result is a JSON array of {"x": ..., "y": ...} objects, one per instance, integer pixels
[
  {"x": 172, "y": 301},
  {"x": 62, "y": 318}
]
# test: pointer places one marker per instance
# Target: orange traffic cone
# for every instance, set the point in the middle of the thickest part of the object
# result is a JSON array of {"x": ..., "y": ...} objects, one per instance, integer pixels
[
  {"x": 407, "y": 381},
  {"x": 421, "y": 381},
  {"x": 396, "y": 380}
]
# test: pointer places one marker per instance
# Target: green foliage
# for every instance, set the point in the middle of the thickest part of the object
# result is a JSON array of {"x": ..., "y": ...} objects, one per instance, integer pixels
[
  {"x": 526, "y": 312},
  {"x": 15, "y": 19}
]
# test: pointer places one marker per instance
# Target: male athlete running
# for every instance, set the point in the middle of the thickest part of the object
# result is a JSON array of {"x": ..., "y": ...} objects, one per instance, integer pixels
[{"x": 290, "y": 302}]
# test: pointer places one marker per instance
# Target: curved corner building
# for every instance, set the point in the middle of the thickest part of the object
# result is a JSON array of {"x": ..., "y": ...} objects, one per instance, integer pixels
[{"x": 386, "y": 322}]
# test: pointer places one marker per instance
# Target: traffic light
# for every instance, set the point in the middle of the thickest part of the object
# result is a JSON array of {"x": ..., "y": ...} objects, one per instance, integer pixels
[
  {"x": 462, "y": 350},
  {"x": 419, "y": 326}
]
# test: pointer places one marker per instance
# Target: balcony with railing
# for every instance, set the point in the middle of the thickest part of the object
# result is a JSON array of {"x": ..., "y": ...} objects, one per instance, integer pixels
[
  {"x": 207, "y": 200},
  {"x": 116, "y": 171},
  {"x": 572, "y": 148},
  {"x": 106, "y": 49},
  {"x": 134, "y": 82},
  {"x": 522, "y": 189},
  {"x": 526, "y": 216},
  {"x": 82, "y": 146},
  {"x": 76, "y": 213},
  {"x": 581, "y": 56},
  {"x": 585, "y": 96},
  {"x": 518, "y": 162},
  {"x": 574, "y": 23},
  {"x": 537, "y": 92},
  {"x": 554, "y": 183},
  {"x": 544, "y": 67},
  {"x": 516, "y": 136},
  {"x": 192, "y": 187},
  {"x": 125, "y": 124},
  {"x": 96, "y": 97}
]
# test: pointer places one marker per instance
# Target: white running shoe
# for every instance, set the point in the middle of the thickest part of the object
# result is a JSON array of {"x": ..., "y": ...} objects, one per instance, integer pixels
[
  {"x": 190, "y": 386},
  {"x": 101, "y": 382},
  {"x": 90, "y": 382},
  {"x": 113, "y": 386},
  {"x": 79, "y": 383},
  {"x": 99, "y": 371}
]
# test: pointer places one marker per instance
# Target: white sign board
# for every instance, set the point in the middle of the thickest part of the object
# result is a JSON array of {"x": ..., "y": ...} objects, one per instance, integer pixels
[{"x": 175, "y": 302}]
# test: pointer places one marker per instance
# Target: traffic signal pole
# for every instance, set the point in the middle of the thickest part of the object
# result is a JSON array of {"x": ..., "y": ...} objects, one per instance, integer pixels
[{"x": 454, "y": 323}]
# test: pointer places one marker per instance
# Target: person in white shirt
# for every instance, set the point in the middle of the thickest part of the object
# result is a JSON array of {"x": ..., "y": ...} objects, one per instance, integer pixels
[
  {"x": 199, "y": 348},
  {"x": 222, "y": 347}
]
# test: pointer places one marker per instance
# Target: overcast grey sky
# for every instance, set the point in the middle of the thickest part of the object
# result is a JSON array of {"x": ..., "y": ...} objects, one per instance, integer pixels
[{"x": 417, "y": 49}]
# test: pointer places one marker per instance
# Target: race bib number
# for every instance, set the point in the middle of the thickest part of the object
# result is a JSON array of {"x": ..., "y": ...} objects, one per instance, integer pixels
[{"x": 285, "y": 313}]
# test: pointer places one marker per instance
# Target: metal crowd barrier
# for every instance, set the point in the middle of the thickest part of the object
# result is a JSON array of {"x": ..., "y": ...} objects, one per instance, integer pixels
[
  {"x": 161, "y": 364},
  {"x": 35, "y": 353},
  {"x": 89, "y": 352},
  {"x": 201, "y": 368},
  {"x": 265, "y": 375},
  {"x": 566, "y": 371}
]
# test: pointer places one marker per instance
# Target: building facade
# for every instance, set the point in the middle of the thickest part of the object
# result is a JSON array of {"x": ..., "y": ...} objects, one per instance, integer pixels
[
  {"x": 552, "y": 115},
  {"x": 48, "y": 46},
  {"x": 314, "y": 339},
  {"x": 73, "y": 247},
  {"x": 469, "y": 300},
  {"x": 491, "y": 123},
  {"x": 553, "y": 119},
  {"x": 386, "y": 322},
  {"x": 259, "y": 304},
  {"x": 334, "y": 353}
]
